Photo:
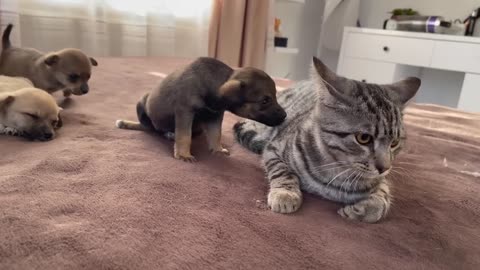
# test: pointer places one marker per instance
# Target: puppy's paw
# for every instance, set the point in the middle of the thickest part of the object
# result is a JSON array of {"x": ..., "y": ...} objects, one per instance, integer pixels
[
  {"x": 220, "y": 152},
  {"x": 284, "y": 201},
  {"x": 11, "y": 131},
  {"x": 369, "y": 211},
  {"x": 169, "y": 136},
  {"x": 67, "y": 93},
  {"x": 185, "y": 157},
  {"x": 120, "y": 124}
]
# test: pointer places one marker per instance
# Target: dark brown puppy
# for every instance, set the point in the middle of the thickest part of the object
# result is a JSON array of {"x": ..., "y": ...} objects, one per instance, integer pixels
[
  {"x": 194, "y": 99},
  {"x": 68, "y": 70}
]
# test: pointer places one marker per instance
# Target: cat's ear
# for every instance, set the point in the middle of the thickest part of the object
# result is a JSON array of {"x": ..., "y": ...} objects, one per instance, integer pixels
[
  {"x": 334, "y": 84},
  {"x": 405, "y": 90},
  {"x": 323, "y": 71}
]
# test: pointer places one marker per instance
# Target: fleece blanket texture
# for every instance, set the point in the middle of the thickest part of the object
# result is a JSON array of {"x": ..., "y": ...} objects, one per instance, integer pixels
[{"x": 98, "y": 197}]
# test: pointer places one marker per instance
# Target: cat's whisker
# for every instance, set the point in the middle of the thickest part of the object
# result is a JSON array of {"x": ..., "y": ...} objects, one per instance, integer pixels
[
  {"x": 346, "y": 179},
  {"x": 405, "y": 171},
  {"x": 333, "y": 179},
  {"x": 402, "y": 175},
  {"x": 329, "y": 169},
  {"x": 356, "y": 182},
  {"x": 353, "y": 181},
  {"x": 331, "y": 164},
  {"x": 407, "y": 163}
]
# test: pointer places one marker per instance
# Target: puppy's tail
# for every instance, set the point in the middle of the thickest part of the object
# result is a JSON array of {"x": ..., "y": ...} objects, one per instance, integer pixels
[
  {"x": 6, "y": 37},
  {"x": 145, "y": 123},
  {"x": 125, "y": 124}
]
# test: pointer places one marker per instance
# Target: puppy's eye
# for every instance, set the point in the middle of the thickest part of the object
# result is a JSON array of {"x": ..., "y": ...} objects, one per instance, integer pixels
[
  {"x": 33, "y": 116},
  {"x": 73, "y": 77},
  {"x": 395, "y": 143},
  {"x": 363, "y": 138},
  {"x": 54, "y": 123},
  {"x": 266, "y": 100}
]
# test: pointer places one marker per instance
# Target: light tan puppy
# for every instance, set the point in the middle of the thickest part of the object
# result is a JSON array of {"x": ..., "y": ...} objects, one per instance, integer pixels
[
  {"x": 68, "y": 70},
  {"x": 29, "y": 112}
]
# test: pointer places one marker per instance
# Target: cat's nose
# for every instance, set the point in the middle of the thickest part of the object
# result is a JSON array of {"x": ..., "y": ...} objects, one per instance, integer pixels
[{"x": 382, "y": 168}]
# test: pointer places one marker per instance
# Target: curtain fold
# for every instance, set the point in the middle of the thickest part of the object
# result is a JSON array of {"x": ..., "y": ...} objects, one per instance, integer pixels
[
  {"x": 111, "y": 27},
  {"x": 238, "y": 32}
]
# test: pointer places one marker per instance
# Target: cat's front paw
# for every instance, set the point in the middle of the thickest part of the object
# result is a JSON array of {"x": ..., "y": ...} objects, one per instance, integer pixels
[
  {"x": 370, "y": 210},
  {"x": 284, "y": 201}
]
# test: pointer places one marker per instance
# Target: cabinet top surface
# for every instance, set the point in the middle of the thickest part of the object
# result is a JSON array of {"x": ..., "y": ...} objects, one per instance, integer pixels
[{"x": 412, "y": 35}]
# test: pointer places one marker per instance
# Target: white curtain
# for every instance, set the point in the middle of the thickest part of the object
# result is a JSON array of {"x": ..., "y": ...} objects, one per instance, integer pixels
[{"x": 111, "y": 27}]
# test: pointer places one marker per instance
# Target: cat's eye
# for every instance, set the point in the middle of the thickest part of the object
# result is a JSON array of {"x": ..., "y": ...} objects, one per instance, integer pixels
[
  {"x": 363, "y": 138},
  {"x": 73, "y": 77},
  {"x": 266, "y": 100},
  {"x": 33, "y": 116},
  {"x": 395, "y": 143}
]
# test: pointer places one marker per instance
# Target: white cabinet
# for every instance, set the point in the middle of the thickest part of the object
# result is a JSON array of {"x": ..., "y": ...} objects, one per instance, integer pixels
[
  {"x": 456, "y": 56},
  {"x": 380, "y": 56},
  {"x": 368, "y": 71},
  {"x": 470, "y": 95},
  {"x": 389, "y": 49}
]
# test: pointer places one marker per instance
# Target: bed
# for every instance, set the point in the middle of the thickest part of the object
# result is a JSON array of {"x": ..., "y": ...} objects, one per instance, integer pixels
[{"x": 98, "y": 197}]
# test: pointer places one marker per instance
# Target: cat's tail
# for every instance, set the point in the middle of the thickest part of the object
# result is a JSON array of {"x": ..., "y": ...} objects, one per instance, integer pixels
[{"x": 249, "y": 133}]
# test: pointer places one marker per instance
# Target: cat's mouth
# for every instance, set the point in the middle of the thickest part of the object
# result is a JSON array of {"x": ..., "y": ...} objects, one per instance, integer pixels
[{"x": 372, "y": 174}]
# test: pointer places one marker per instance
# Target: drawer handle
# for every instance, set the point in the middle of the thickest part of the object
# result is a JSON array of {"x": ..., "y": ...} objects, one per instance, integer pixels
[{"x": 386, "y": 49}]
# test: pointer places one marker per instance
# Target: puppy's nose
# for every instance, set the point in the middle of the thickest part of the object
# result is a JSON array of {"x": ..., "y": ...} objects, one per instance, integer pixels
[
  {"x": 84, "y": 88},
  {"x": 282, "y": 114},
  {"x": 48, "y": 136}
]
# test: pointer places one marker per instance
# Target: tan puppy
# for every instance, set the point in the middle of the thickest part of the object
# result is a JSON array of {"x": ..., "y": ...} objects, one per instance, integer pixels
[
  {"x": 193, "y": 100},
  {"x": 28, "y": 112},
  {"x": 68, "y": 69}
]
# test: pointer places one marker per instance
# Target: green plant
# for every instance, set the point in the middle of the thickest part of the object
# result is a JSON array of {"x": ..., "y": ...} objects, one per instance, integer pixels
[{"x": 403, "y": 11}]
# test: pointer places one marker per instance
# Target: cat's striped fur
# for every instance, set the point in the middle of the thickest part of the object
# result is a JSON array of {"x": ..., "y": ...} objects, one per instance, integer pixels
[{"x": 317, "y": 148}]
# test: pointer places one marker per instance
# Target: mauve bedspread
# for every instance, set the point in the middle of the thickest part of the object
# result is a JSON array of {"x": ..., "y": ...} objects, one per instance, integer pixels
[{"x": 98, "y": 197}]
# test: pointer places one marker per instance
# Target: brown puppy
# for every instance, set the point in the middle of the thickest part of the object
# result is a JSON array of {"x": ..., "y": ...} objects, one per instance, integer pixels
[
  {"x": 194, "y": 99},
  {"x": 68, "y": 69},
  {"x": 28, "y": 112}
]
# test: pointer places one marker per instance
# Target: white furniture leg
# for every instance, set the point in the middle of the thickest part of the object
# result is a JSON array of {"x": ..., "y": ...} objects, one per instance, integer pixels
[{"x": 470, "y": 96}]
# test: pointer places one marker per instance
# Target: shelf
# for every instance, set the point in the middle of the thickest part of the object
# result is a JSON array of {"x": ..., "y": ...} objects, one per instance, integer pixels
[
  {"x": 285, "y": 50},
  {"x": 294, "y": 1}
]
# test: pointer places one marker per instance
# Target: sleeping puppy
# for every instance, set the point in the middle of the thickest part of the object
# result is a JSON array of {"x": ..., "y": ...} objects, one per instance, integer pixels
[
  {"x": 29, "y": 112},
  {"x": 68, "y": 69},
  {"x": 193, "y": 100}
]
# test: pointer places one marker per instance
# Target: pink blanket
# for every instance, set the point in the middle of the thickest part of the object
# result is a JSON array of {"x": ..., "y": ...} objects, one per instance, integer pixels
[{"x": 98, "y": 197}]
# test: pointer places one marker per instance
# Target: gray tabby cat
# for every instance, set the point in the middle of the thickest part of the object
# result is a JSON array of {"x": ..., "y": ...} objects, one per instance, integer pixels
[{"x": 338, "y": 141}]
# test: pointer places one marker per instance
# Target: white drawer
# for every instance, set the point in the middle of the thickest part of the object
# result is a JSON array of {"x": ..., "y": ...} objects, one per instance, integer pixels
[
  {"x": 368, "y": 71},
  {"x": 409, "y": 51},
  {"x": 456, "y": 56}
]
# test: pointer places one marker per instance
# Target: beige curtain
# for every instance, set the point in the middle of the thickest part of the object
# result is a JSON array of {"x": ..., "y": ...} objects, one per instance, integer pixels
[
  {"x": 111, "y": 27},
  {"x": 238, "y": 32}
]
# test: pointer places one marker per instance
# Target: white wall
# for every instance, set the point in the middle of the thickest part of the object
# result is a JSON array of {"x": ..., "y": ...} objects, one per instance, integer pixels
[{"x": 301, "y": 23}]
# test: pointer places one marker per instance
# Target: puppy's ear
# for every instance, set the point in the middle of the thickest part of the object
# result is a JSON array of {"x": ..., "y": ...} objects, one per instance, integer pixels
[
  {"x": 93, "y": 61},
  {"x": 231, "y": 88},
  {"x": 51, "y": 59},
  {"x": 5, "y": 101}
]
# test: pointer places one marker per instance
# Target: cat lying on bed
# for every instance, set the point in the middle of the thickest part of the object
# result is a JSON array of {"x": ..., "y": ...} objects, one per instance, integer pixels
[
  {"x": 339, "y": 141},
  {"x": 27, "y": 111}
]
